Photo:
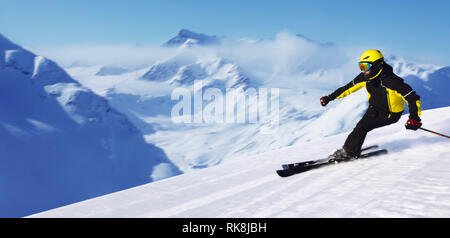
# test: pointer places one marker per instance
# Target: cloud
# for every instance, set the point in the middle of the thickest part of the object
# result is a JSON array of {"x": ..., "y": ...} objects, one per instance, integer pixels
[
  {"x": 289, "y": 59},
  {"x": 286, "y": 59}
]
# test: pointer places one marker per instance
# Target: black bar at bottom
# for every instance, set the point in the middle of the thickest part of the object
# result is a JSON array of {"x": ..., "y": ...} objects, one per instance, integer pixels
[{"x": 219, "y": 227}]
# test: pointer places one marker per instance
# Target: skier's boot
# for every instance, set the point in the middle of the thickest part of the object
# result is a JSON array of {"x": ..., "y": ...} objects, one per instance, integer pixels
[{"x": 340, "y": 155}]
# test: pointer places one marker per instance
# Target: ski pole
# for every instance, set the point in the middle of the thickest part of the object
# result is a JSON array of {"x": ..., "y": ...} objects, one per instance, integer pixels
[{"x": 439, "y": 134}]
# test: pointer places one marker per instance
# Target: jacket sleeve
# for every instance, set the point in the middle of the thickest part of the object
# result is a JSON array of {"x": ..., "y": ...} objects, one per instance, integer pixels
[
  {"x": 356, "y": 84},
  {"x": 408, "y": 95}
]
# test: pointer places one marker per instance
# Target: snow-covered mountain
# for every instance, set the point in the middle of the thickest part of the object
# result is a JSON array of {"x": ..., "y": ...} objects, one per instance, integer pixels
[
  {"x": 60, "y": 142},
  {"x": 145, "y": 96},
  {"x": 431, "y": 82},
  {"x": 412, "y": 180},
  {"x": 213, "y": 71}
]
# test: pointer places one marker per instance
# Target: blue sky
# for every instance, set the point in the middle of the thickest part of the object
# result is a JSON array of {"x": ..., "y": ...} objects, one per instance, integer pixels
[{"x": 418, "y": 29}]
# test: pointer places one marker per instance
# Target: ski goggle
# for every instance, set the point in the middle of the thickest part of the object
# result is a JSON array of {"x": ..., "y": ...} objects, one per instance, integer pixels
[{"x": 364, "y": 66}]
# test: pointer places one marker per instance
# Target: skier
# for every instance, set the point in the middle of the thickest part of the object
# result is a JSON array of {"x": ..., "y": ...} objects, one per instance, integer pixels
[{"x": 387, "y": 92}]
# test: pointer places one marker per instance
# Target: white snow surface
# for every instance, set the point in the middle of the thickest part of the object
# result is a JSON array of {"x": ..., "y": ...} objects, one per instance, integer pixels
[{"x": 412, "y": 180}]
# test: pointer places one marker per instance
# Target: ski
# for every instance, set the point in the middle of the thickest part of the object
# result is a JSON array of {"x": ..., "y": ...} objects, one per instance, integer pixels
[{"x": 313, "y": 164}]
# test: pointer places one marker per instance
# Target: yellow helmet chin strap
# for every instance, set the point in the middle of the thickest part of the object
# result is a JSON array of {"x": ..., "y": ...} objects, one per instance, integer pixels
[{"x": 379, "y": 72}]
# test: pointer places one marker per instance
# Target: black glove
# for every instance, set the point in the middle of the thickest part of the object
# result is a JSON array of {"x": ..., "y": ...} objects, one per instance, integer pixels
[
  {"x": 413, "y": 124},
  {"x": 325, "y": 100}
]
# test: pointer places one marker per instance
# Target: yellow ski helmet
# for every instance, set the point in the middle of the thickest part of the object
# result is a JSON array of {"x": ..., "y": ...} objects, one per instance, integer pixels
[{"x": 371, "y": 56}]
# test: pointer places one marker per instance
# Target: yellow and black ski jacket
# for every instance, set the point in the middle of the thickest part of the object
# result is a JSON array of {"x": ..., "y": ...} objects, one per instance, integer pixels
[{"x": 387, "y": 92}]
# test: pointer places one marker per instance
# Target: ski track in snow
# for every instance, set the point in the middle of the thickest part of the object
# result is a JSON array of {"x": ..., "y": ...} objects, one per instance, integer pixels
[{"x": 411, "y": 181}]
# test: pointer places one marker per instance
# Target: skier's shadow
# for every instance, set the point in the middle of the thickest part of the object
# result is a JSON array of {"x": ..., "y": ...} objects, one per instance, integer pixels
[{"x": 404, "y": 144}]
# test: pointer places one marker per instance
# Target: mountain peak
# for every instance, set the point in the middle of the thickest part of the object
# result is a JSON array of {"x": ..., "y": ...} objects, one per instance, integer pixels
[{"x": 187, "y": 36}]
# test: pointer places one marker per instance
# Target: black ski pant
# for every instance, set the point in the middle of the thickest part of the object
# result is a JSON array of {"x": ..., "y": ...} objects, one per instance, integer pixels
[{"x": 373, "y": 118}]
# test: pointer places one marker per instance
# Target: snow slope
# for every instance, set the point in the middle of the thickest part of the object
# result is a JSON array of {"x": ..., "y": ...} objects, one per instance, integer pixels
[
  {"x": 413, "y": 180},
  {"x": 60, "y": 142}
]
